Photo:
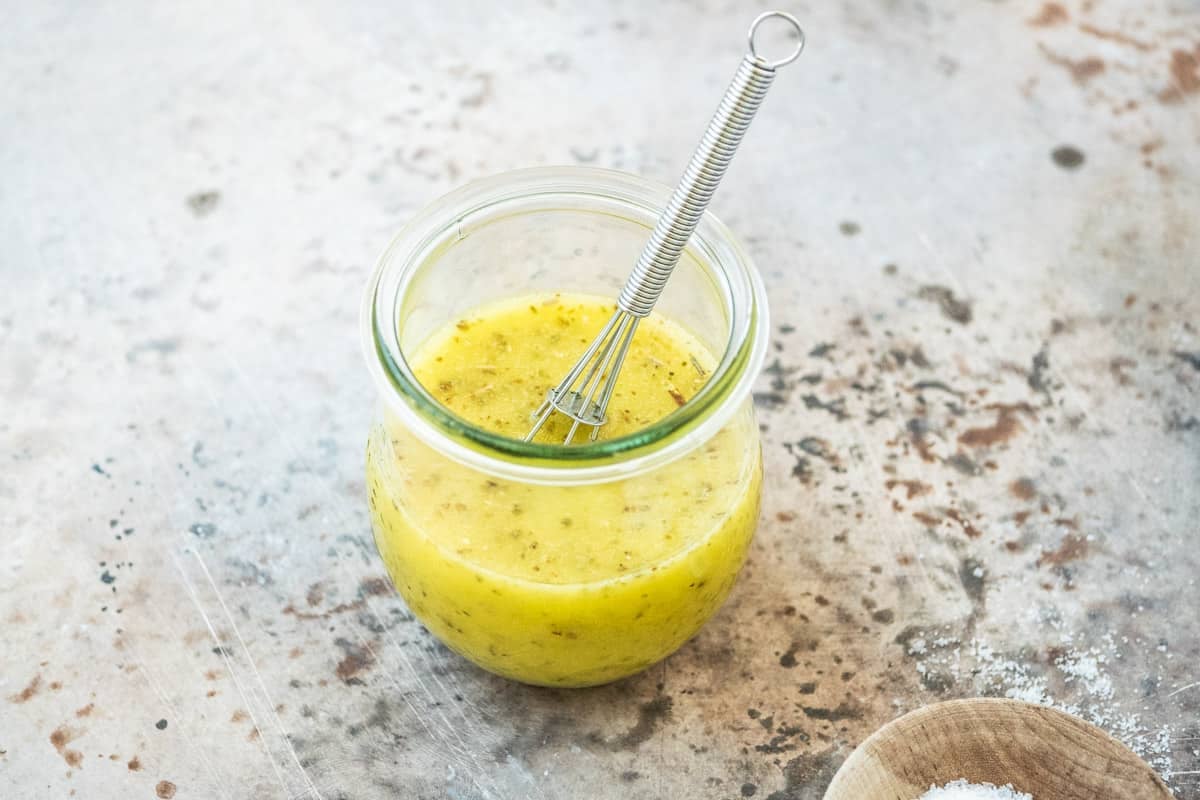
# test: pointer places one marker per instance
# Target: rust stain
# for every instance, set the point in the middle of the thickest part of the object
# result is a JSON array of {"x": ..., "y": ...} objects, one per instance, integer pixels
[
  {"x": 212, "y": 675},
  {"x": 357, "y": 661},
  {"x": 1117, "y": 367},
  {"x": 912, "y": 488},
  {"x": 295, "y": 652},
  {"x": 239, "y": 716},
  {"x": 952, "y": 307},
  {"x": 1004, "y": 428},
  {"x": 55, "y": 685},
  {"x": 370, "y": 587},
  {"x": 196, "y": 637},
  {"x": 1051, "y": 14},
  {"x": 85, "y": 711},
  {"x": 253, "y": 734},
  {"x": 1081, "y": 71},
  {"x": 1023, "y": 489},
  {"x": 918, "y": 429},
  {"x": 164, "y": 790},
  {"x": 1021, "y": 516},
  {"x": 1185, "y": 76},
  {"x": 928, "y": 519},
  {"x": 784, "y": 516},
  {"x": 968, "y": 528},
  {"x": 676, "y": 396},
  {"x": 375, "y": 587},
  {"x": 1115, "y": 36},
  {"x": 1073, "y": 547},
  {"x": 134, "y": 765},
  {"x": 60, "y": 738},
  {"x": 29, "y": 691}
]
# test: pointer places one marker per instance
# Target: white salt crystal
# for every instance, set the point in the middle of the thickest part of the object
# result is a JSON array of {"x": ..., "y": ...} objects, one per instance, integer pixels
[{"x": 961, "y": 790}]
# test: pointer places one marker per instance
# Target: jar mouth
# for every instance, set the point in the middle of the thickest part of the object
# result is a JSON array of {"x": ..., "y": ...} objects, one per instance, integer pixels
[{"x": 438, "y": 225}]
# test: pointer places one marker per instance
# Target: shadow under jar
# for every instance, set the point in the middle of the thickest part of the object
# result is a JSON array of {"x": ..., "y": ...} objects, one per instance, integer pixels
[{"x": 553, "y": 565}]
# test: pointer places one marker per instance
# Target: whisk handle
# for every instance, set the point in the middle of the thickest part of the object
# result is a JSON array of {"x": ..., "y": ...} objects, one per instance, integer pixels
[{"x": 703, "y": 174}]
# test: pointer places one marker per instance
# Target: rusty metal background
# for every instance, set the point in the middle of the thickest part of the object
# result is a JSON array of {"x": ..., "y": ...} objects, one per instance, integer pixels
[{"x": 981, "y": 416}]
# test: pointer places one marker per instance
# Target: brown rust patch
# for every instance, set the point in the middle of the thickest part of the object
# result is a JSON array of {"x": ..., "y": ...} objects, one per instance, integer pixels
[
  {"x": 1115, "y": 36},
  {"x": 239, "y": 715},
  {"x": 912, "y": 488},
  {"x": 375, "y": 587},
  {"x": 1081, "y": 71},
  {"x": 1185, "y": 76},
  {"x": 1004, "y": 428},
  {"x": 134, "y": 764},
  {"x": 29, "y": 691},
  {"x": 1051, "y": 14},
  {"x": 85, "y": 711},
  {"x": 370, "y": 587},
  {"x": 952, "y": 307},
  {"x": 1117, "y": 367},
  {"x": 918, "y": 432},
  {"x": 196, "y": 636},
  {"x": 60, "y": 737},
  {"x": 927, "y": 519},
  {"x": 356, "y": 661},
  {"x": 967, "y": 526},
  {"x": 1073, "y": 547},
  {"x": 164, "y": 790},
  {"x": 1023, "y": 489}
]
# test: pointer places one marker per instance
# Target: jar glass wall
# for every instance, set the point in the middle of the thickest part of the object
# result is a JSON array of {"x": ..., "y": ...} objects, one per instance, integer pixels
[{"x": 563, "y": 566}]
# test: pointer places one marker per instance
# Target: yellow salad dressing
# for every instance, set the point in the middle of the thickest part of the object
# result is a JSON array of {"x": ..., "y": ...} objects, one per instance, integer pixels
[{"x": 562, "y": 585}]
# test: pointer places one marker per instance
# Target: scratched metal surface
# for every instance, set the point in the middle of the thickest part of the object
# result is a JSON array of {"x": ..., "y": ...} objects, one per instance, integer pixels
[{"x": 978, "y": 223}]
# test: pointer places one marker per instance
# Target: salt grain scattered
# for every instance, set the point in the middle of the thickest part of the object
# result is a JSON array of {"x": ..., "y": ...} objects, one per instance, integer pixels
[
  {"x": 1082, "y": 672},
  {"x": 961, "y": 790}
]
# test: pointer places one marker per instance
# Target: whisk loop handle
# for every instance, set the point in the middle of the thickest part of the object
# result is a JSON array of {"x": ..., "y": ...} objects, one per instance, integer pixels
[{"x": 703, "y": 174}]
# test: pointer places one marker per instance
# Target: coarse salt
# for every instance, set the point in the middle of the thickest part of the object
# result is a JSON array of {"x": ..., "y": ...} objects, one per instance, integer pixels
[{"x": 961, "y": 790}]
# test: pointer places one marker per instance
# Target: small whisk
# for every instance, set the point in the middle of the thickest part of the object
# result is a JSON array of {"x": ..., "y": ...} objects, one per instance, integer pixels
[{"x": 598, "y": 368}]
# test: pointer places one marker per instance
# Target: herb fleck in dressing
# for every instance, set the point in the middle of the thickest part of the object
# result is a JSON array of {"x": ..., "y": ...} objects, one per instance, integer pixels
[{"x": 556, "y": 585}]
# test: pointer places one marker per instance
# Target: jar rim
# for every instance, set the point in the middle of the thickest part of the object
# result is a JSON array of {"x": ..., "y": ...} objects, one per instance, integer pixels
[{"x": 713, "y": 246}]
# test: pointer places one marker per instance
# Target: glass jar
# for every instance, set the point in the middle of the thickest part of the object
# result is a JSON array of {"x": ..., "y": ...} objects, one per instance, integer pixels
[{"x": 685, "y": 489}]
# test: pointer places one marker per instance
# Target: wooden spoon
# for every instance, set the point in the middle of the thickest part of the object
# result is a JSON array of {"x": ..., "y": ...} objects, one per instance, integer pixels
[{"x": 1042, "y": 752}]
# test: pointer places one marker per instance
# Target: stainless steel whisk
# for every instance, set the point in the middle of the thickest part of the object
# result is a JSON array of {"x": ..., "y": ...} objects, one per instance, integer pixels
[{"x": 601, "y": 362}]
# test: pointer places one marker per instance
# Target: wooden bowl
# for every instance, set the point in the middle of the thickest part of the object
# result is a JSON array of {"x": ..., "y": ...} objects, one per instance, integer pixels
[{"x": 1042, "y": 752}]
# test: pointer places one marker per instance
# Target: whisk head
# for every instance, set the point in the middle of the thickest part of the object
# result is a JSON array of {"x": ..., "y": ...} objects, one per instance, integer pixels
[{"x": 584, "y": 393}]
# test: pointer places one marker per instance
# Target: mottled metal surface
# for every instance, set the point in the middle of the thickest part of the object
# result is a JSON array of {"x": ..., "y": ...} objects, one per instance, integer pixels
[{"x": 978, "y": 222}]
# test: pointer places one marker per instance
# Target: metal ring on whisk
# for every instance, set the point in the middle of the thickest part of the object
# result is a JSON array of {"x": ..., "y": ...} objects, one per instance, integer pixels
[{"x": 795, "y": 23}]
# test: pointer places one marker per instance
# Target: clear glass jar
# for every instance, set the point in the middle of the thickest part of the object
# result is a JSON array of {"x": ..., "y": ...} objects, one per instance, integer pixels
[{"x": 687, "y": 486}]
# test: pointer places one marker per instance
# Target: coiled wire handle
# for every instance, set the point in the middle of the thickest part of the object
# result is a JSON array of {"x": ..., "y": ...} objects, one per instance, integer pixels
[{"x": 703, "y": 173}]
